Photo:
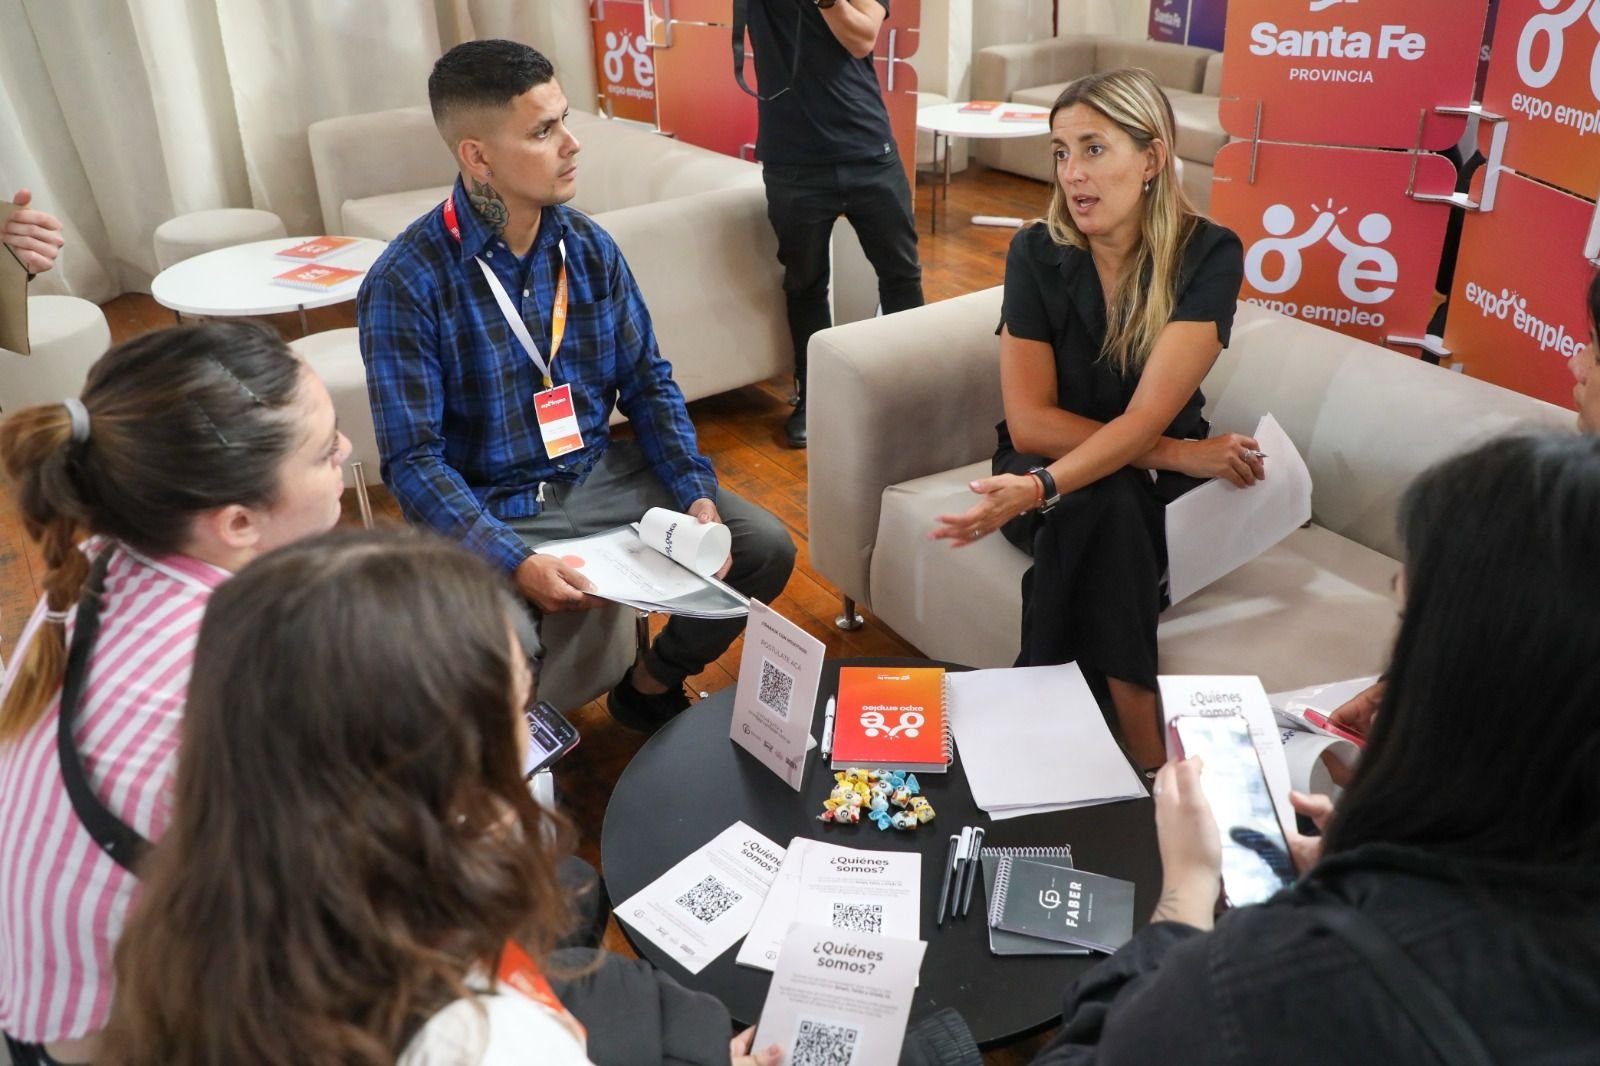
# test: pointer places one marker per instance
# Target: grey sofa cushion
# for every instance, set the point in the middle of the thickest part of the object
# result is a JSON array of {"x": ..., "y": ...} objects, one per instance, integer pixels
[
  {"x": 383, "y": 217},
  {"x": 1199, "y": 121}
]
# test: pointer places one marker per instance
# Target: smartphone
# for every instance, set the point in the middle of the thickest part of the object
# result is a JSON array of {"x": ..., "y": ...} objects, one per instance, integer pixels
[
  {"x": 1255, "y": 855},
  {"x": 550, "y": 736}
]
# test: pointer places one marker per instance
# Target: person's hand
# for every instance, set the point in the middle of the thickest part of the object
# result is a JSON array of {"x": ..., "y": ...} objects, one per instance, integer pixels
[
  {"x": 705, "y": 512},
  {"x": 1305, "y": 851},
  {"x": 1191, "y": 848},
  {"x": 35, "y": 236},
  {"x": 1231, "y": 456},
  {"x": 739, "y": 1051},
  {"x": 553, "y": 586},
  {"x": 1357, "y": 713},
  {"x": 1003, "y": 498}
]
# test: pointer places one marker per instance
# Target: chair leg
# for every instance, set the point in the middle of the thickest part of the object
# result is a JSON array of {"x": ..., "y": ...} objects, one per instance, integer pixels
[
  {"x": 850, "y": 619},
  {"x": 641, "y": 632}
]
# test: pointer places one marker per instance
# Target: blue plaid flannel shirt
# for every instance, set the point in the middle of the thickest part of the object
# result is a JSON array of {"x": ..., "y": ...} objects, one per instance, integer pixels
[{"x": 452, "y": 390}]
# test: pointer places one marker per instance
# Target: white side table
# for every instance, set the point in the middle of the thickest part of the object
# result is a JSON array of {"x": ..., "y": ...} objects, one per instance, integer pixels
[
  {"x": 945, "y": 121},
  {"x": 238, "y": 281}
]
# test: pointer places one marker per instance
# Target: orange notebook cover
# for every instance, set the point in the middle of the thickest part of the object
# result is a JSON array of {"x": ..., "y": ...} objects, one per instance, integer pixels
[
  {"x": 980, "y": 105},
  {"x": 1023, "y": 116},
  {"x": 315, "y": 248},
  {"x": 891, "y": 717},
  {"x": 316, "y": 276}
]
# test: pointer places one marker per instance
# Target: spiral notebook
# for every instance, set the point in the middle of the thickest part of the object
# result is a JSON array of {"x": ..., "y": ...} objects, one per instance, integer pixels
[
  {"x": 892, "y": 717},
  {"x": 1038, "y": 899},
  {"x": 1000, "y": 941}
]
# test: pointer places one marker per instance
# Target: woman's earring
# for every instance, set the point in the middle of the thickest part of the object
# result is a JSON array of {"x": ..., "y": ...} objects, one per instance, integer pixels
[{"x": 1146, "y": 184}]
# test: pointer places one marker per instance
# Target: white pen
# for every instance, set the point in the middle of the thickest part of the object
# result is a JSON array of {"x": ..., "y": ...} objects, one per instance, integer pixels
[{"x": 827, "y": 729}]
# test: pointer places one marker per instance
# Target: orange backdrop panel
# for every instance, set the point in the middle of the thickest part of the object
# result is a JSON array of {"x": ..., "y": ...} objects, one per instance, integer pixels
[
  {"x": 1348, "y": 72},
  {"x": 624, "y": 67},
  {"x": 1544, "y": 73},
  {"x": 1331, "y": 237},
  {"x": 1517, "y": 300}
]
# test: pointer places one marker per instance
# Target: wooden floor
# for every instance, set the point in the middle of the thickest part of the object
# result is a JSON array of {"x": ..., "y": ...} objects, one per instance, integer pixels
[{"x": 742, "y": 434}]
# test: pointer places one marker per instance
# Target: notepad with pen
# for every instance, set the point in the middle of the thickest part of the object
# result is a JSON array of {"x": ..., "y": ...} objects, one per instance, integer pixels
[
  {"x": 892, "y": 717},
  {"x": 1002, "y": 942},
  {"x": 1034, "y": 898}
]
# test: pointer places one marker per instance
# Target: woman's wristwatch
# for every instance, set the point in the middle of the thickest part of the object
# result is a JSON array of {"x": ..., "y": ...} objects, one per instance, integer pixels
[
  {"x": 1048, "y": 496},
  {"x": 826, "y": 3}
]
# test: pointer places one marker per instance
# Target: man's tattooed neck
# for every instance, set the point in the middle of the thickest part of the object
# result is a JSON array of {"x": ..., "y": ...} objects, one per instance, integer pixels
[{"x": 489, "y": 206}]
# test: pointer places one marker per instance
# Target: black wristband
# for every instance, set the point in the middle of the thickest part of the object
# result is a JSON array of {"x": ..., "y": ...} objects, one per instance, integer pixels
[
  {"x": 825, "y": 3},
  {"x": 1047, "y": 481}
]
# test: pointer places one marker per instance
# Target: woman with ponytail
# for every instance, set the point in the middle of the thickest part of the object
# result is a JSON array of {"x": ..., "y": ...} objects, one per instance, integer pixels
[
  {"x": 190, "y": 452},
  {"x": 1115, "y": 308}
]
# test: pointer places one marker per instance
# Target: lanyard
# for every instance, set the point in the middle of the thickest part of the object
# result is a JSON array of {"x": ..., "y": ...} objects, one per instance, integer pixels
[
  {"x": 519, "y": 328},
  {"x": 518, "y": 971}
]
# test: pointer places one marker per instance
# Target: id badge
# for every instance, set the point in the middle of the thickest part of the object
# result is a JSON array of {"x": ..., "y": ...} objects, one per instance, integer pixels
[{"x": 558, "y": 421}]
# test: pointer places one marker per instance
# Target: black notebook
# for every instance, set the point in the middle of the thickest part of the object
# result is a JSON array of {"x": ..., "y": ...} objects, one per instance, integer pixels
[
  {"x": 1034, "y": 898},
  {"x": 1004, "y": 943}
]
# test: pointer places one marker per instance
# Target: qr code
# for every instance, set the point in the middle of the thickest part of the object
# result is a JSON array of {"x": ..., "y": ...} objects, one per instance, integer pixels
[
  {"x": 777, "y": 685},
  {"x": 823, "y": 1044},
  {"x": 709, "y": 900},
  {"x": 858, "y": 917}
]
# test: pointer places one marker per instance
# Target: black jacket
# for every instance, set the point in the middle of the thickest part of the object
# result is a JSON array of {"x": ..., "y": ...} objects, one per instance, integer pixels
[{"x": 1516, "y": 952}]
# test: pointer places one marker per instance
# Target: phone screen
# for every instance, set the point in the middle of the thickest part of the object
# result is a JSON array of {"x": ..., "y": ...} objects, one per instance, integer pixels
[
  {"x": 550, "y": 736},
  {"x": 1255, "y": 856}
]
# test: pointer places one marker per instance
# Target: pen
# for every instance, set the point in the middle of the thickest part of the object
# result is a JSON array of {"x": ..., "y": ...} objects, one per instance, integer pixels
[
  {"x": 1322, "y": 722},
  {"x": 944, "y": 887},
  {"x": 1258, "y": 455},
  {"x": 827, "y": 729},
  {"x": 970, "y": 872}
]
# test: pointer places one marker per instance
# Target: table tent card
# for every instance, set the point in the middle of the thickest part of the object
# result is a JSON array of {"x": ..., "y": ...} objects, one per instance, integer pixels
[
  {"x": 776, "y": 699},
  {"x": 699, "y": 908},
  {"x": 840, "y": 997}
]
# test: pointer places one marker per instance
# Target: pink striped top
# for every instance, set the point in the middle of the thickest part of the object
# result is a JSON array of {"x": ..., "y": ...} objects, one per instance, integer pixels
[{"x": 62, "y": 901}]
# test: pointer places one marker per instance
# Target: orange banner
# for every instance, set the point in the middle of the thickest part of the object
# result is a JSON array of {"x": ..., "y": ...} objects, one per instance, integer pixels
[
  {"x": 1545, "y": 76},
  {"x": 1331, "y": 237},
  {"x": 1349, "y": 72},
  {"x": 625, "y": 73},
  {"x": 1517, "y": 311}
]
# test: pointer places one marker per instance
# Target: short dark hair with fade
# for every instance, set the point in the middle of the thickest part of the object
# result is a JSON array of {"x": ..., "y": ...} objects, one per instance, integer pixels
[{"x": 484, "y": 74}]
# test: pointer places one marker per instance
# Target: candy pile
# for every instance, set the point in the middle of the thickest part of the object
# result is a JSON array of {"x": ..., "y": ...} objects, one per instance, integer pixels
[{"x": 887, "y": 797}]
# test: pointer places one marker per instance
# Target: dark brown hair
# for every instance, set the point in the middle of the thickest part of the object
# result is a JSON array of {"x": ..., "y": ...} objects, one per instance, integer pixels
[
  {"x": 181, "y": 420},
  {"x": 352, "y": 834}
]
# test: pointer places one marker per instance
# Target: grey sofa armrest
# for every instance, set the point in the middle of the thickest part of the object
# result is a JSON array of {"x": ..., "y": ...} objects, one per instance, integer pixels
[
  {"x": 890, "y": 399},
  {"x": 357, "y": 156},
  {"x": 1002, "y": 69}
]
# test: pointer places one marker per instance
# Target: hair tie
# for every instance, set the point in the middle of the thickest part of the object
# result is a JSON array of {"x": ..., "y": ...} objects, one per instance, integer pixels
[
  {"x": 80, "y": 418},
  {"x": 58, "y": 617}
]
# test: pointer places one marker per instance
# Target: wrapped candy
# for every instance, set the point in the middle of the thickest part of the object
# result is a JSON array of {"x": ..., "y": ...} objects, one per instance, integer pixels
[
  {"x": 889, "y": 799},
  {"x": 904, "y": 820}
]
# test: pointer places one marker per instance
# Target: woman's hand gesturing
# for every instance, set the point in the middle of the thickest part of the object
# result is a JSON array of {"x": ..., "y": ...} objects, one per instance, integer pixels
[{"x": 1003, "y": 498}]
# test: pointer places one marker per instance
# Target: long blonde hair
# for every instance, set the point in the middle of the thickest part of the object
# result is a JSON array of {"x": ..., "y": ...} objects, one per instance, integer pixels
[{"x": 1147, "y": 290}]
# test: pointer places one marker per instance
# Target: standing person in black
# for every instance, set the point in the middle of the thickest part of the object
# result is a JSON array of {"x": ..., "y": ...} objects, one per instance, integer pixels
[
  {"x": 1114, "y": 311},
  {"x": 826, "y": 150}
]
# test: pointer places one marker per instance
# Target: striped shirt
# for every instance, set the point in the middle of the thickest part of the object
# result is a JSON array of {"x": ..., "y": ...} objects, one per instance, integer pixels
[{"x": 63, "y": 902}]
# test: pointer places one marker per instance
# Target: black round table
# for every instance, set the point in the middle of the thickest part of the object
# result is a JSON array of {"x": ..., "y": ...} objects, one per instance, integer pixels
[{"x": 689, "y": 782}]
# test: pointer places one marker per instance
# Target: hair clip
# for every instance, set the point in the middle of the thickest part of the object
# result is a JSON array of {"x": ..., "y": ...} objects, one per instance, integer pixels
[{"x": 248, "y": 391}]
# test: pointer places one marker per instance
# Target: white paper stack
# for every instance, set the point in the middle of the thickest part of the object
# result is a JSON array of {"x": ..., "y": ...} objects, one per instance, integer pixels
[{"x": 1033, "y": 739}]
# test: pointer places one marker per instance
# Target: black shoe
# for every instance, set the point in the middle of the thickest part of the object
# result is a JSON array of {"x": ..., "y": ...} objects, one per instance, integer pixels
[
  {"x": 794, "y": 430},
  {"x": 645, "y": 712}
]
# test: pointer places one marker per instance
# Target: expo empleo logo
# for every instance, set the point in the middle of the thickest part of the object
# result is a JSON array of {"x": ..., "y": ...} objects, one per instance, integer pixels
[
  {"x": 625, "y": 47},
  {"x": 1391, "y": 42},
  {"x": 1367, "y": 272},
  {"x": 1541, "y": 50}
]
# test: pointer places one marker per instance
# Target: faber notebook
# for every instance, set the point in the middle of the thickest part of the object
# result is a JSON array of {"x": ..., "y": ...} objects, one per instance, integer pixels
[
  {"x": 1004, "y": 943},
  {"x": 892, "y": 717},
  {"x": 1034, "y": 898}
]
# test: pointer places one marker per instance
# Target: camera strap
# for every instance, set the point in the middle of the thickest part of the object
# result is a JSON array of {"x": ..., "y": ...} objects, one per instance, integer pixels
[
  {"x": 741, "y": 19},
  {"x": 115, "y": 837}
]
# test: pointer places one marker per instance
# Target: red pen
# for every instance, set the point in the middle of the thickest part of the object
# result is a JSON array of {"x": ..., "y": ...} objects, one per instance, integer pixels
[{"x": 1321, "y": 721}]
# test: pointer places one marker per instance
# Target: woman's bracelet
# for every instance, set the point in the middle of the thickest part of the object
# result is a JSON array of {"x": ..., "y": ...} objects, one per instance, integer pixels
[{"x": 1048, "y": 496}]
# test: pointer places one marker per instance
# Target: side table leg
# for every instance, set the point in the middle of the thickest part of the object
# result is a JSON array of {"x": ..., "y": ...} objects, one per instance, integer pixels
[
  {"x": 304, "y": 329},
  {"x": 851, "y": 618},
  {"x": 933, "y": 193}
]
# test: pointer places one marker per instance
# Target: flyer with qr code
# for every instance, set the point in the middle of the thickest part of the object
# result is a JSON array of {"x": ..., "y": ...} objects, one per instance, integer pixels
[
  {"x": 859, "y": 891},
  {"x": 776, "y": 699},
  {"x": 840, "y": 998},
  {"x": 696, "y": 910}
]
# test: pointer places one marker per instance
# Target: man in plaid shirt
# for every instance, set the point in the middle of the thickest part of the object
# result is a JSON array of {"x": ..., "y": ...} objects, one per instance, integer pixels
[{"x": 454, "y": 367}]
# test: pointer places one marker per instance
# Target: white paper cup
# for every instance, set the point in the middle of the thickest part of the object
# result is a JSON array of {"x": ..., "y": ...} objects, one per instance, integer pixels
[
  {"x": 1304, "y": 752},
  {"x": 700, "y": 546}
]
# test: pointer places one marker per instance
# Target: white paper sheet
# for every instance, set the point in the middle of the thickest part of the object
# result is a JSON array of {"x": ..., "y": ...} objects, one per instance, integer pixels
[
  {"x": 765, "y": 940},
  {"x": 623, "y": 568},
  {"x": 863, "y": 891},
  {"x": 697, "y": 909},
  {"x": 1217, "y": 528},
  {"x": 1204, "y": 694},
  {"x": 1032, "y": 739},
  {"x": 840, "y": 997}
]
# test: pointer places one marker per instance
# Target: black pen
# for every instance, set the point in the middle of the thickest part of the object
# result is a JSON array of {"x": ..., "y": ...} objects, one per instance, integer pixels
[
  {"x": 971, "y": 874},
  {"x": 944, "y": 889}
]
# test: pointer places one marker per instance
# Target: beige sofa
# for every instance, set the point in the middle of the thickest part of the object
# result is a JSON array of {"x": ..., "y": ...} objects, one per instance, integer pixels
[
  {"x": 1035, "y": 73},
  {"x": 903, "y": 418}
]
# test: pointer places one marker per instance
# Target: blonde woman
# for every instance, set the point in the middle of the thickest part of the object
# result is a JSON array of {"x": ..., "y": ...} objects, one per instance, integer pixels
[{"x": 1115, "y": 308}]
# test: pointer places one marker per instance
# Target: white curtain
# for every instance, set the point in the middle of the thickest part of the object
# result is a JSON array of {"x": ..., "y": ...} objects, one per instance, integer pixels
[{"x": 120, "y": 114}]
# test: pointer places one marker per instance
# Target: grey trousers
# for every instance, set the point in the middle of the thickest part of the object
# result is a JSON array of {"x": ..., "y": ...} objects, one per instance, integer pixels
[{"x": 619, "y": 489}]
